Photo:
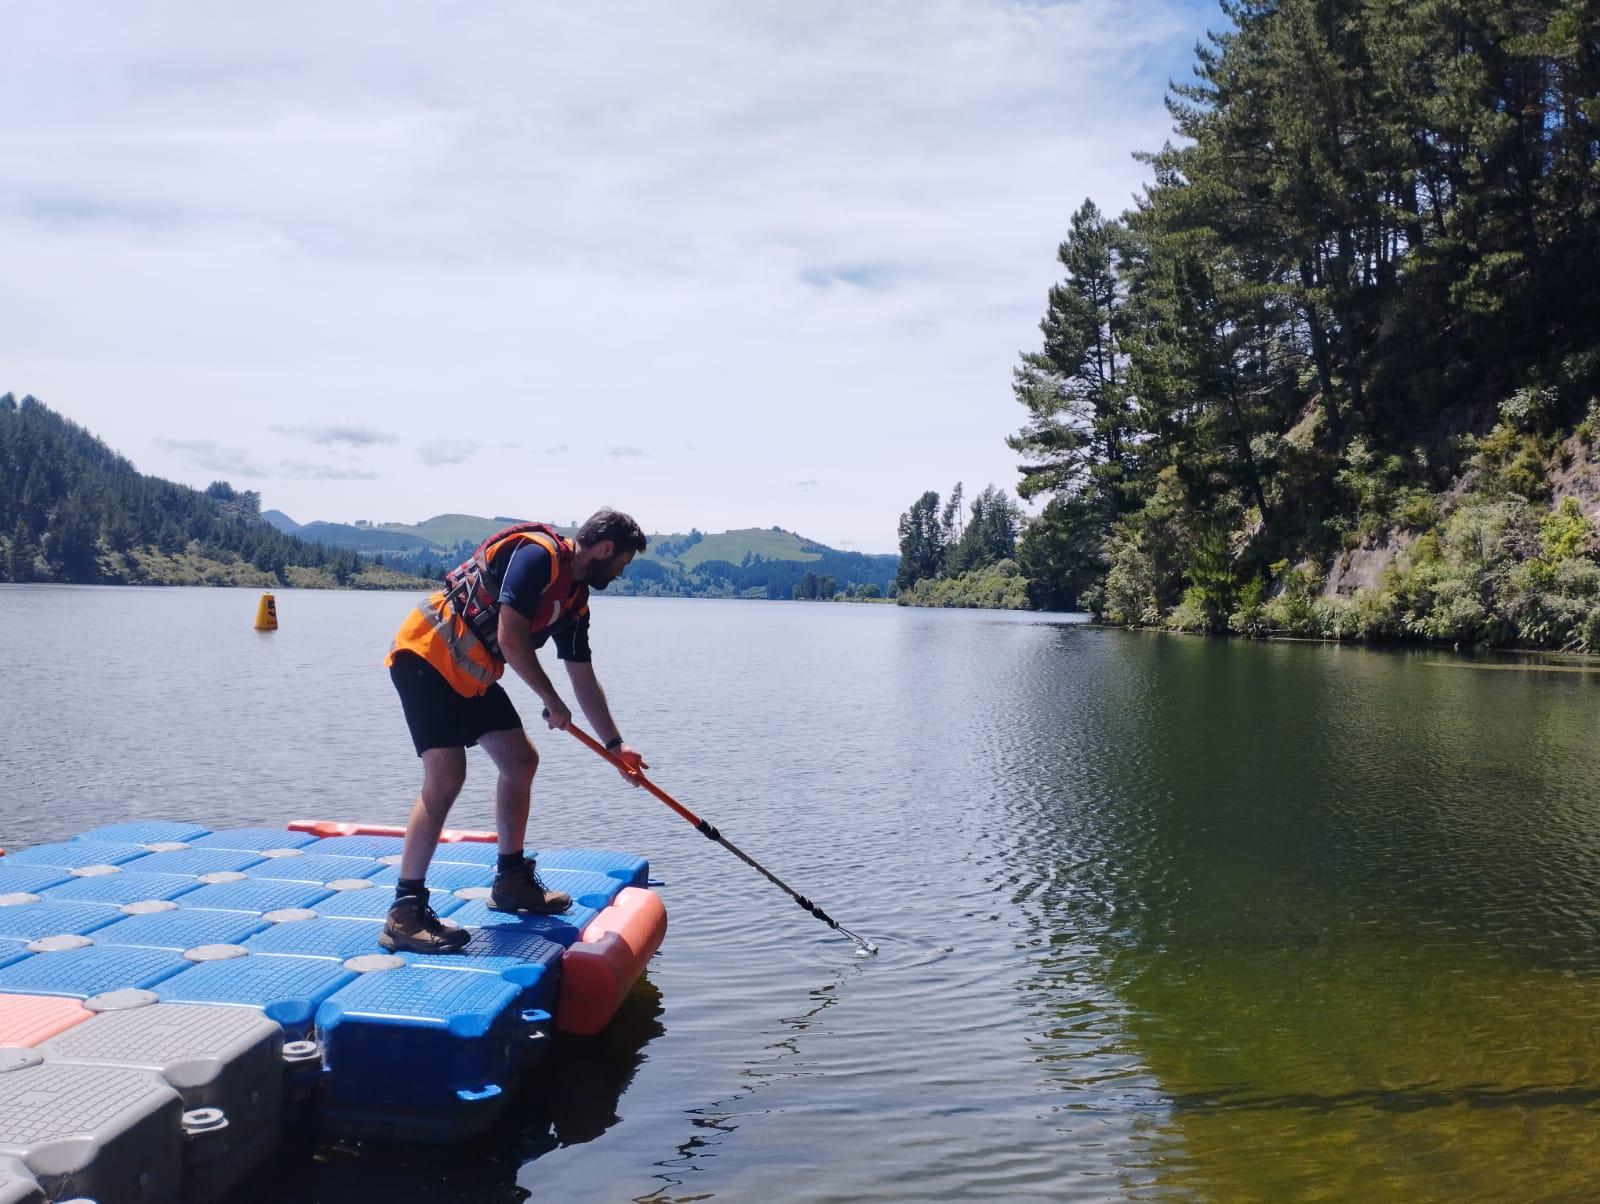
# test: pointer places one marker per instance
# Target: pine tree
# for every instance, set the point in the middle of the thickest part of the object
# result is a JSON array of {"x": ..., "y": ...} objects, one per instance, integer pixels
[
  {"x": 921, "y": 542},
  {"x": 1078, "y": 437}
]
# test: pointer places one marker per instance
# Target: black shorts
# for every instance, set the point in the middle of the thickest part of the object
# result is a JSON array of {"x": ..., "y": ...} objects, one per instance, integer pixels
[{"x": 439, "y": 717}]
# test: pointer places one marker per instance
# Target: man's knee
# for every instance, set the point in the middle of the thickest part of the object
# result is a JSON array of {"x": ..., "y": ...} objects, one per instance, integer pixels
[
  {"x": 444, "y": 770},
  {"x": 520, "y": 766}
]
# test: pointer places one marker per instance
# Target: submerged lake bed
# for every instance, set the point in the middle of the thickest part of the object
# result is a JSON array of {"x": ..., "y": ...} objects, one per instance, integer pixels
[{"x": 1159, "y": 918}]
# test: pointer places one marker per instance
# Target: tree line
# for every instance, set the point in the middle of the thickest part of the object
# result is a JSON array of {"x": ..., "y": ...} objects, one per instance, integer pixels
[
  {"x": 955, "y": 555},
  {"x": 1358, "y": 302},
  {"x": 72, "y": 510},
  {"x": 855, "y": 574}
]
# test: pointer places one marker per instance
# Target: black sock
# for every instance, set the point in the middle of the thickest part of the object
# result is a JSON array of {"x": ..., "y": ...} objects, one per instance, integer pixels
[
  {"x": 410, "y": 888},
  {"x": 510, "y": 862}
]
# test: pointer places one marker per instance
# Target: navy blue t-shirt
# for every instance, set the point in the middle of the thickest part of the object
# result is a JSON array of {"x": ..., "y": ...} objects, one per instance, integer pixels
[{"x": 527, "y": 577}]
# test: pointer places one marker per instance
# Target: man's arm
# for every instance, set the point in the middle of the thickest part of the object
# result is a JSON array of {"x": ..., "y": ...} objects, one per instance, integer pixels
[
  {"x": 516, "y": 645},
  {"x": 592, "y": 698}
]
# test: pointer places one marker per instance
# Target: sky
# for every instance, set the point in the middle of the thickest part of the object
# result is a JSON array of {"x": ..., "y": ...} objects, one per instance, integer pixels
[{"x": 716, "y": 264}]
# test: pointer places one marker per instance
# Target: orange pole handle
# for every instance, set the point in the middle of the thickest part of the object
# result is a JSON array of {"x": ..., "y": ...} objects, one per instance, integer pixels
[{"x": 589, "y": 741}]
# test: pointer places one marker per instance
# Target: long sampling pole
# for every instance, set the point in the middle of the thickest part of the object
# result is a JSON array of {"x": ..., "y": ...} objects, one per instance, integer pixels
[{"x": 709, "y": 831}]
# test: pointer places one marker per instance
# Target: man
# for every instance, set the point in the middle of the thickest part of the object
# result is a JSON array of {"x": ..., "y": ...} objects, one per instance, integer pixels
[{"x": 522, "y": 586}]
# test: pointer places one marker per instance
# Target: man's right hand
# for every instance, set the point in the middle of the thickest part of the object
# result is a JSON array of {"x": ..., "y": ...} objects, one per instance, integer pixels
[{"x": 557, "y": 715}]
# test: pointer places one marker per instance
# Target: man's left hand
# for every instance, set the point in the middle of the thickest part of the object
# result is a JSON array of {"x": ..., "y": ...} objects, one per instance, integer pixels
[{"x": 632, "y": 762}]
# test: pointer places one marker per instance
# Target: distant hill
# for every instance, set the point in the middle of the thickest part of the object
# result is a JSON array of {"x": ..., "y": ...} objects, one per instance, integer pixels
[
  {"x": 365, "y": 539},
  {"x": 450, "y": 530},
  {"x": 73, "y": 510},
  {"x": 767, "y": 562},
  {"x": 734, "y": 546}
]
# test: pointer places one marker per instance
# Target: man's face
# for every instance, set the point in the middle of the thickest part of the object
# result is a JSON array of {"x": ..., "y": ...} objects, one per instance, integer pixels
[{"x": 603, "y": 571}]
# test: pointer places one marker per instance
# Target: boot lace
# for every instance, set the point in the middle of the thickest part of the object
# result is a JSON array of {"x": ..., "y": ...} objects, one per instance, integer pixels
[{"x": 531, "y": 872}]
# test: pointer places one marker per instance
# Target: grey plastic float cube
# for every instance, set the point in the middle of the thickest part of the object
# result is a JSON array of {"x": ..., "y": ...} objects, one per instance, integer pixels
[
  {"x": 17, "y": 1184},
  {"x": 111, "y": 1134},
  {"x": 227, "y": 1060}
]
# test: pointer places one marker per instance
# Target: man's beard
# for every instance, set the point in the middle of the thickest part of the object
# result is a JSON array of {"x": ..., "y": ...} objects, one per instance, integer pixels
[{"x": 598, "y": 576}]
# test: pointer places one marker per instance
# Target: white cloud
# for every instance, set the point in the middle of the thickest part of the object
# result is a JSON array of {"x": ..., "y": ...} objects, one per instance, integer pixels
[
  {"x": 211, "y": 456},
  {"x": 353, "y": 434},
  {"x": 447, "y": 451},
  {"x": 299, "y": 470},
  {"x": 796, "y": 236}
]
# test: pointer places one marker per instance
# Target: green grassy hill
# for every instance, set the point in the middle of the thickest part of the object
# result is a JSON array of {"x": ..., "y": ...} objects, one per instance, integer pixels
[
  {"x": 448, "y": 530},
  {"x": 734, "y": 546}
]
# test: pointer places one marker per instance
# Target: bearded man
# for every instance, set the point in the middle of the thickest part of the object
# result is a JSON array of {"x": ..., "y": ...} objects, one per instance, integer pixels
[{"x": 523, "y": 586}]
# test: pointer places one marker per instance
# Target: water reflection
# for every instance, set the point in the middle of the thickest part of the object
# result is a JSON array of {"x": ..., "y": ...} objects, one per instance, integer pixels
[
  {"x": 716, "y": 1120},
  {"x": 1337, "y": 928}
]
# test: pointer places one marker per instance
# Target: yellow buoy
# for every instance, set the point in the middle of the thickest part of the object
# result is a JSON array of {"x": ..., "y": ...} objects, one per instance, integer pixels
[{"x": 267, "y": 614}]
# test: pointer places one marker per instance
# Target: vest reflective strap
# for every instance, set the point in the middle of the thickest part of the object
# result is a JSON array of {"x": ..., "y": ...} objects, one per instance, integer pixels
[{"x": 467, "y": 652}]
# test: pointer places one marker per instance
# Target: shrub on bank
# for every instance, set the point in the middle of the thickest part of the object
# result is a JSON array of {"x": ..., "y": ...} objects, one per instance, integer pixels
[{"x": 999, "y": 586}]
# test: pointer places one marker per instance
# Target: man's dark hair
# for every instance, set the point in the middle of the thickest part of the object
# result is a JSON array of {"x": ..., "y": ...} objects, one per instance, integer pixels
[{"x": 614, "y": 525}]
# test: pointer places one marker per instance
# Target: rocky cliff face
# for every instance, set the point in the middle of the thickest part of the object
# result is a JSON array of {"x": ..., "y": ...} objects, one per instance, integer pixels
[{"x": 1574, "y": 471}]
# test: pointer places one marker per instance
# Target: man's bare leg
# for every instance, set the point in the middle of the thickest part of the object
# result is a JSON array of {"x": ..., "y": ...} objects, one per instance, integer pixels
[
  {"x": 443, "y": 772},
  {"x": 517, "y": 760},
  {"x": 516, "y": 887}
]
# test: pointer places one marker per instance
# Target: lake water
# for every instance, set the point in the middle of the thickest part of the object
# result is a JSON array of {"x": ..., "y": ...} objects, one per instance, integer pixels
[{"x": 1160, "y": 918}]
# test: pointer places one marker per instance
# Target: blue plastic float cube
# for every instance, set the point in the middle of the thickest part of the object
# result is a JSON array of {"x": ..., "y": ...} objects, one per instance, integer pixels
[
  {"x": 527, "y": 959},
  {"x": 337, "y": 940},
  {"x": 314, "y": 867},
  {"x": 358, "y": 846},
  {"x": 453, "y": 1038},
  {"x": 46, "y": 917},
  {"x": 442, "y": 876},
  {"x": 181, "y": 928},
  {"x": 287, "y": 989},
  {"x": 254, "y": 839},
  {"x": 30, "y": 879},
  {"x": 256, "y": 895},
  {"x": 563, "y": 929},
  {"x": 585, "y": 886},
  {"x": 374, "y": 904},
  {"x": 12, "y": 950},
  {"x": 470, "y": 852},
  {"x": 195, "y": 861},
  {"x": 75, "y": 854},
  {"x": 117, "y": 889},
  {"x": 91, "y": 970},
  {"x": 145, "y": 831},
  {"x": 627, "y": 868}
]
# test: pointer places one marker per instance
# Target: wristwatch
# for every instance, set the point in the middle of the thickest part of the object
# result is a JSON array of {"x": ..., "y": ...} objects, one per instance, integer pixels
[{"x": 614, "y": 743}]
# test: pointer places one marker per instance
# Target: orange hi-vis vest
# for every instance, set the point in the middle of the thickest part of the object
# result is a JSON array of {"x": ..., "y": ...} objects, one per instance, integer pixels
[{"x": 456, "y": 629}]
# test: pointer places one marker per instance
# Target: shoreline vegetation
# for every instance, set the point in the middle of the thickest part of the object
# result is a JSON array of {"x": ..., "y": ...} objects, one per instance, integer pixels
[{"x": 1336, "y": 373}]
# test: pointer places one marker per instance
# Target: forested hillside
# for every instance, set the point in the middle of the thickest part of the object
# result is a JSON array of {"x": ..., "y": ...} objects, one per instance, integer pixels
[
  {"x": 1336, "y": 372},
  {"x": 72, "y": 510},
  {"x": 772, "y": 563}
]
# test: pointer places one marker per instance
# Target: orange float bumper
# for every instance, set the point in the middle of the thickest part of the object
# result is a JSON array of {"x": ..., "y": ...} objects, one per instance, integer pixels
[
  {"x": 332, "y": 827},
  {"x": 599, "y": 969}
]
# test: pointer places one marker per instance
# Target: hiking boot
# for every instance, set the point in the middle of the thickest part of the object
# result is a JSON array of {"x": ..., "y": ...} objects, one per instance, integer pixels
[
  {"x": 414, "y": 927},
  {"x": 521, "y": 889}
]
